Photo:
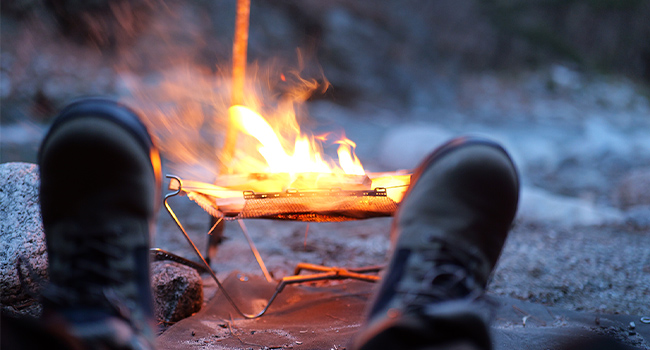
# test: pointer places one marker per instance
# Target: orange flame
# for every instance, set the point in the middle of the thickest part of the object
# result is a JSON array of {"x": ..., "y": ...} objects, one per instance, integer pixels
[
  {"x": 307, "y": 154},
  {"x": 190, "y": 112}
]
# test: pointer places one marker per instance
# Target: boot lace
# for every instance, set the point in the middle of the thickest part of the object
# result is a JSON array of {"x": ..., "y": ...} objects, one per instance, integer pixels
[
  {"x": 92, "y": 278},
  {"x": 442, "y": 274}
]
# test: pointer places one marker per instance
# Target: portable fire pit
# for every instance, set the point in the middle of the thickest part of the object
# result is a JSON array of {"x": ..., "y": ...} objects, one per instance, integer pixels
[{"x": 315, "y": 205}]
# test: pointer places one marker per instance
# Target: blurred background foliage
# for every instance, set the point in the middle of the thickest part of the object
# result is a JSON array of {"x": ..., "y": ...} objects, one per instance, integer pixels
[{"x": 377, "y": 51}]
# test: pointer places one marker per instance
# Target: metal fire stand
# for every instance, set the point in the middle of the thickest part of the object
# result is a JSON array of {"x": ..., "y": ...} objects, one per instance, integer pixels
[{"x": 386, "y": 207}]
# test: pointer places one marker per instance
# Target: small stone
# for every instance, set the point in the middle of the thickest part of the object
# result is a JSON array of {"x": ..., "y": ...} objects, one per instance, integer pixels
[
  {"x": 178, "y": 291},
  {"x": 632, "y": 325}
]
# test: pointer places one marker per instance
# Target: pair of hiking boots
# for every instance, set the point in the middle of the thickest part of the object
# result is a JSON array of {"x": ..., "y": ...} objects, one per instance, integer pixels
[{"x": 100, "y": 189}]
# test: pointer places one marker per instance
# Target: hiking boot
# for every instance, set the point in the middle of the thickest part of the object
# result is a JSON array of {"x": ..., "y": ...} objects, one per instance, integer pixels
[
  {"x": 447, "y": 235},
  {"x": 100, "y": 191}
]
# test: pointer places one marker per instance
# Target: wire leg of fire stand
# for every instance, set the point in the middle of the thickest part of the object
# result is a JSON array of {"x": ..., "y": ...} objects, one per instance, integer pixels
[
  {"x": 255, "y": 251},
  {"x": 278, "y": 289}
]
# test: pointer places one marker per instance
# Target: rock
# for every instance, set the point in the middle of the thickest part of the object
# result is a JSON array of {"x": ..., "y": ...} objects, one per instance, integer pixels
[
  {"x": 633, "y": 189},
  {"x": 21, "y": 235},
  {"x": 178, "y": 291}
]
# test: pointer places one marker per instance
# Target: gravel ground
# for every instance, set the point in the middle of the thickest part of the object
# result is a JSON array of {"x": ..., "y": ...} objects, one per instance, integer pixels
[{"x": 600, "y": 269}]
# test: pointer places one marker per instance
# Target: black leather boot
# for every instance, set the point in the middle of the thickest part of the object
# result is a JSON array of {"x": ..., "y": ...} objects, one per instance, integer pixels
[
  {"x": 447, "y": 234},
  {"x": 100, "y": 191}
]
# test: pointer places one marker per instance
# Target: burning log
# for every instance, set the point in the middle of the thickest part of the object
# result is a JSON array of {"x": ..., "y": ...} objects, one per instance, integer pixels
[
  {"x": 396, "y": 183},
  {"x": 213, "y": 199},
  {"x": 227, "y": 186},
  {"x": 205, "y": 188},
  {"x": 227, "y": 192},
  {"x": 304, "y": 196},
  {"x": 274, "y": 182}
]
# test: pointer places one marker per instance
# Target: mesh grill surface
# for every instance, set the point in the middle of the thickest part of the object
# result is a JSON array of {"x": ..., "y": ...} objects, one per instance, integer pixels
[{"x": 319, "y": 208}]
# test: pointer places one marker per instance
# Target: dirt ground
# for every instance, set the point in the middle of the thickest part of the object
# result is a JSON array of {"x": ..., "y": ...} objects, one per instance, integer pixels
[{"x": 597, "y": 269}]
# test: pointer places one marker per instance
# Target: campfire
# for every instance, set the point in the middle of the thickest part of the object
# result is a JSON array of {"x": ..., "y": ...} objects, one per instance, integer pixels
[
  {"x": 295, "y": 184},
  {"x": 268, "y": 167}
]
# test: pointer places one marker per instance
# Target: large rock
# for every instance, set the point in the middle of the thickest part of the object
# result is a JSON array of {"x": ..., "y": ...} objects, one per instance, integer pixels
[
  {"x": 21, "y": 235},
  {"x": 178, "y": 291}
]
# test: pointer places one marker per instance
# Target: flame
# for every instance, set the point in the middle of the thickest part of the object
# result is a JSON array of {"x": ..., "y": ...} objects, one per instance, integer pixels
[
  {"x": 192, "y": 109},
  {"x": 347, "y": 159},
  {"x": 190, "y": 112},
  {"x": 307, "y": 153}
]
